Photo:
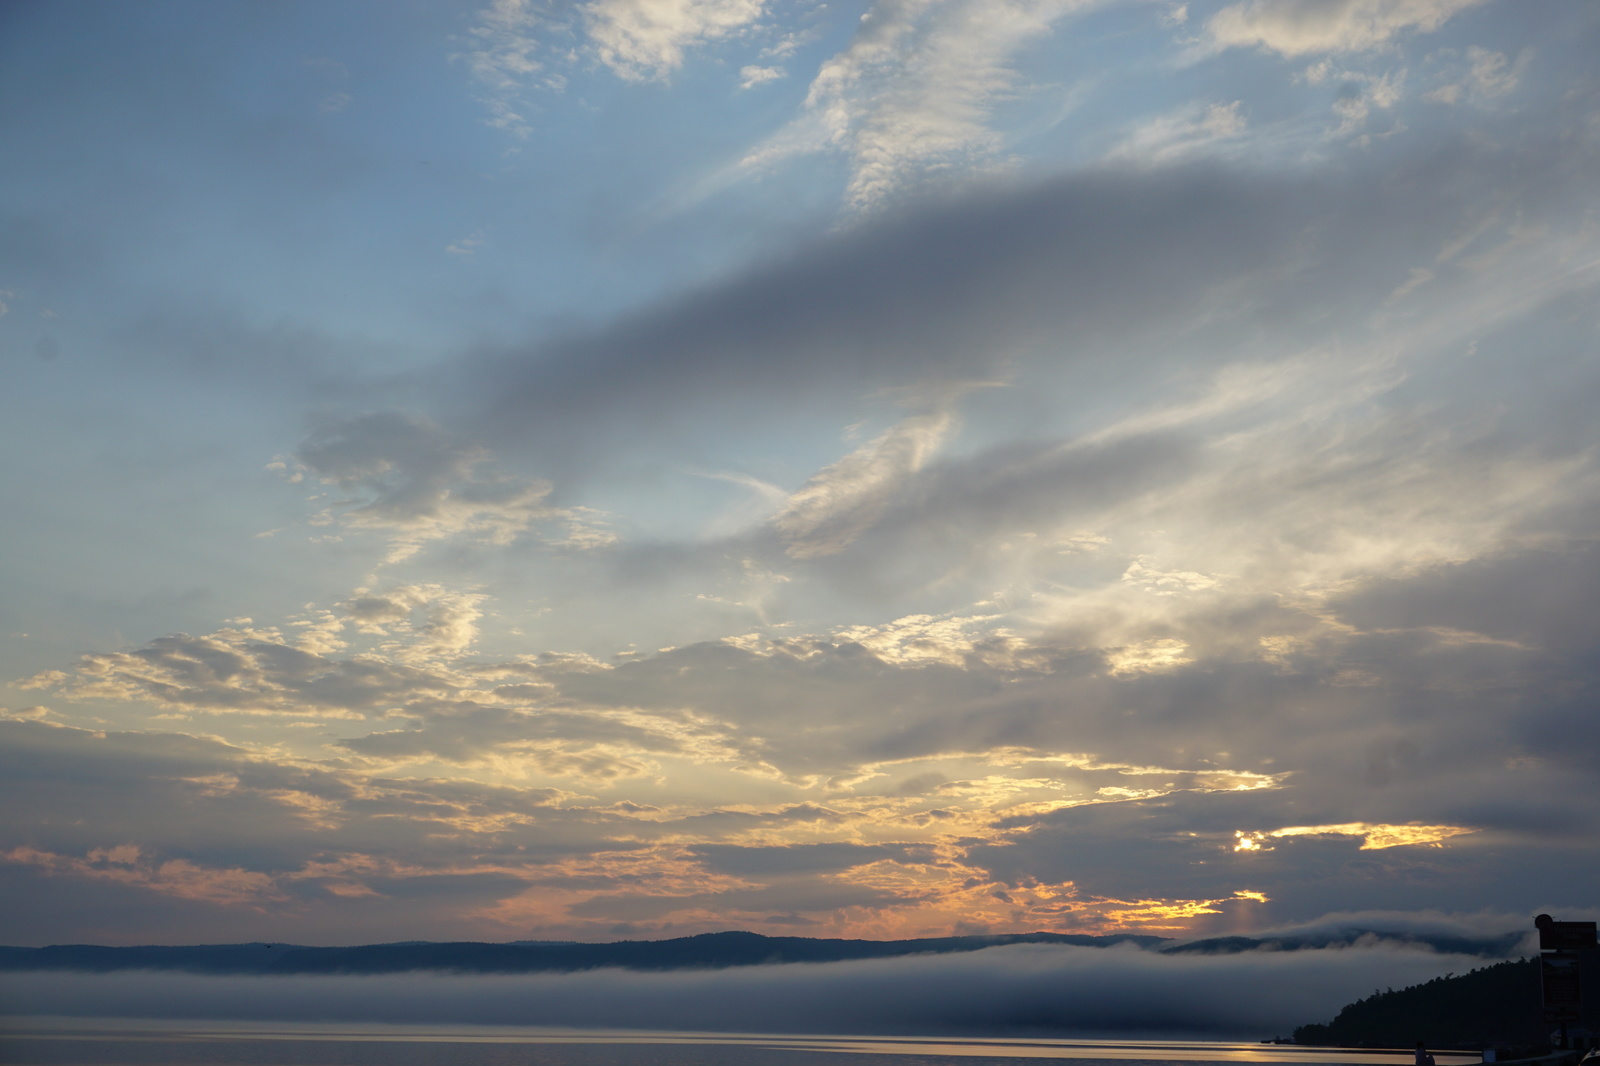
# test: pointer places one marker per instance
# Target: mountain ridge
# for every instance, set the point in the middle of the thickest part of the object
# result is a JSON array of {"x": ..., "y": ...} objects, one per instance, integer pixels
[{"x": 720, "y": 950}]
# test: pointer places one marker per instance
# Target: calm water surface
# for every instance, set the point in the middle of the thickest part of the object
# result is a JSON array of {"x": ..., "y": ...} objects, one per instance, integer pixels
[{"x": 120, "y": 1042}]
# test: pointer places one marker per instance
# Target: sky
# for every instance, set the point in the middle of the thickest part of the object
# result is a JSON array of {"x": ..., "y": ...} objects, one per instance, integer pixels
[{"x": 634, "y": 468}]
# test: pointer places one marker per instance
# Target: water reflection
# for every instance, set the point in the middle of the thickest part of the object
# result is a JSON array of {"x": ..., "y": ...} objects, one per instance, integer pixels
[{"x": 120, "y": 1042}]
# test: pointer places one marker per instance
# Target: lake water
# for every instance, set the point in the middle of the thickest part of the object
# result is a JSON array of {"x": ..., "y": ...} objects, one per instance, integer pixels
[{"x": 120, "y": 1042}]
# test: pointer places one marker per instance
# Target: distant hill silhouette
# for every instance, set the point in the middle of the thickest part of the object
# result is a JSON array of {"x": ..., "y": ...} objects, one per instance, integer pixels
[
  {"x": 1495, "y": 1005},
  {"x": 705, "y": 951}
]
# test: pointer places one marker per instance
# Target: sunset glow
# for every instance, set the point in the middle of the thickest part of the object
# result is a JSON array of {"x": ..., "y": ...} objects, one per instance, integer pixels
[{"x": 505, "y": 471}]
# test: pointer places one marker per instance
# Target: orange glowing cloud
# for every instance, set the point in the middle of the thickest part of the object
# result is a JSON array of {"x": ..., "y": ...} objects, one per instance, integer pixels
[{"x": 1375, "y": 835}]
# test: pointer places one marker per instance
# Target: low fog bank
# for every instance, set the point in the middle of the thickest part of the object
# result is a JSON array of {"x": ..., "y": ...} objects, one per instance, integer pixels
[
  {"x": 1036, "y": 988},
  {"x": 1486, "y": 935}
]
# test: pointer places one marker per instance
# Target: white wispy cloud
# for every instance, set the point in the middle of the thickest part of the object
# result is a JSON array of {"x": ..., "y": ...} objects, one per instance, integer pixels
[
  {"x": 501, "y": 55},
  {"x": 644, "y": 39},
  {"x": 467, "y": 245},
  {"x": 751, "y": 76},
  {"x": 842, "y": 500},
  {"x": 1485, "y": 77},
  {"x": 518, "y": 47},
  {"x": 1190, "y": 130},
  {"x": 913, "y": 92},
  {"x": 1297, "y": 27}
]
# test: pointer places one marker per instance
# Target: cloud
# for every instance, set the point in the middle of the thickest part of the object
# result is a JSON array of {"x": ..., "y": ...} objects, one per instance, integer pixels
[
  {"x": 501, "y": 56},
  {"x": 1202, "y": 842},
  {"x": 173, "y": 877},
  {"x": 911, "y": 95},
  {"x": 467, "y": 245},
  {"x": 1067, "y": 813},
  {"x": 1298, "y": 27},
  {"x": 838, "y": 503},
  {"x": 1099, "y": 275},
  {"x": 516, "y": 46},
  {"x": 1372, "y": 836},
  {"x": 1491, "y": 75},
  {"x": 1487, "y": 77},
  {"x": 751, "y": 76},
  {"x": 419, "y": 483},
  {"x": 1360, "y": 93},
  {"x": 449, "y": 619},
  {"x": 253, "y": 672},
  {"x": 1406, "y": 564},
  {"x": 746, "y": 861},
  {"x": 1158, "y": 654},
  {"x": 645, "y": 39},
  {"x": 1192, "y": 129},
  {"x": 1272, "y": 538},
  {"x": 593, "y": 748},
  {"x": 113, "y": 831},
  {"x": 922, "y": 638},
  {"x": 509, "y": 714},
  {"x": 1497, "y": 933},
  {"x": 950, "y": 294}
]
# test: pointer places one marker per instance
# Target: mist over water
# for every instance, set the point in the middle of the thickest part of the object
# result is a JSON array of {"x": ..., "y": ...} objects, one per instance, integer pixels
[{"x": 1022, "y": 989}]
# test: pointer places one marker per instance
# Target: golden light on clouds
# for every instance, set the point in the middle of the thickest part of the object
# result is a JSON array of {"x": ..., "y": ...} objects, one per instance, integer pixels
[
  {"x": 1148, "y": 656},
  {"x": 1174, "y": 914},
  {"x": 1378, "y": 836},
  {"x": 806, "y": 578},
  {"x": 1375, "y": 836},
  {"x": 1244, "y": 841}
]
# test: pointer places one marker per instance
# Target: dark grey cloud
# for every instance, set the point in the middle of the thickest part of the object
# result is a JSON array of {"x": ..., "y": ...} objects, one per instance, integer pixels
[
  {"x": 751, "y": 861},
  {"x": 778, "y": 696},
  {"x": 463, "y": 731},
  {"x": 1429, "y": 726},
  {"x": 891, "y": 303},
  {"x": 193, "y": 838},
  {"x": 1176, "y": 846},
  {"x": 1183, "y": 845},
  {"x": 795, "y": 812},
  {"x": 1096, "y": 280},
  {"x": 1540, "y": 597},
  {"x": 807, "y": 894}
]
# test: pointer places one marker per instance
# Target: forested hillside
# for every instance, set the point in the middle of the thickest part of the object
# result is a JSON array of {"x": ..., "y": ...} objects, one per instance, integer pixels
[{"x": 1494, "y": 1005}]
